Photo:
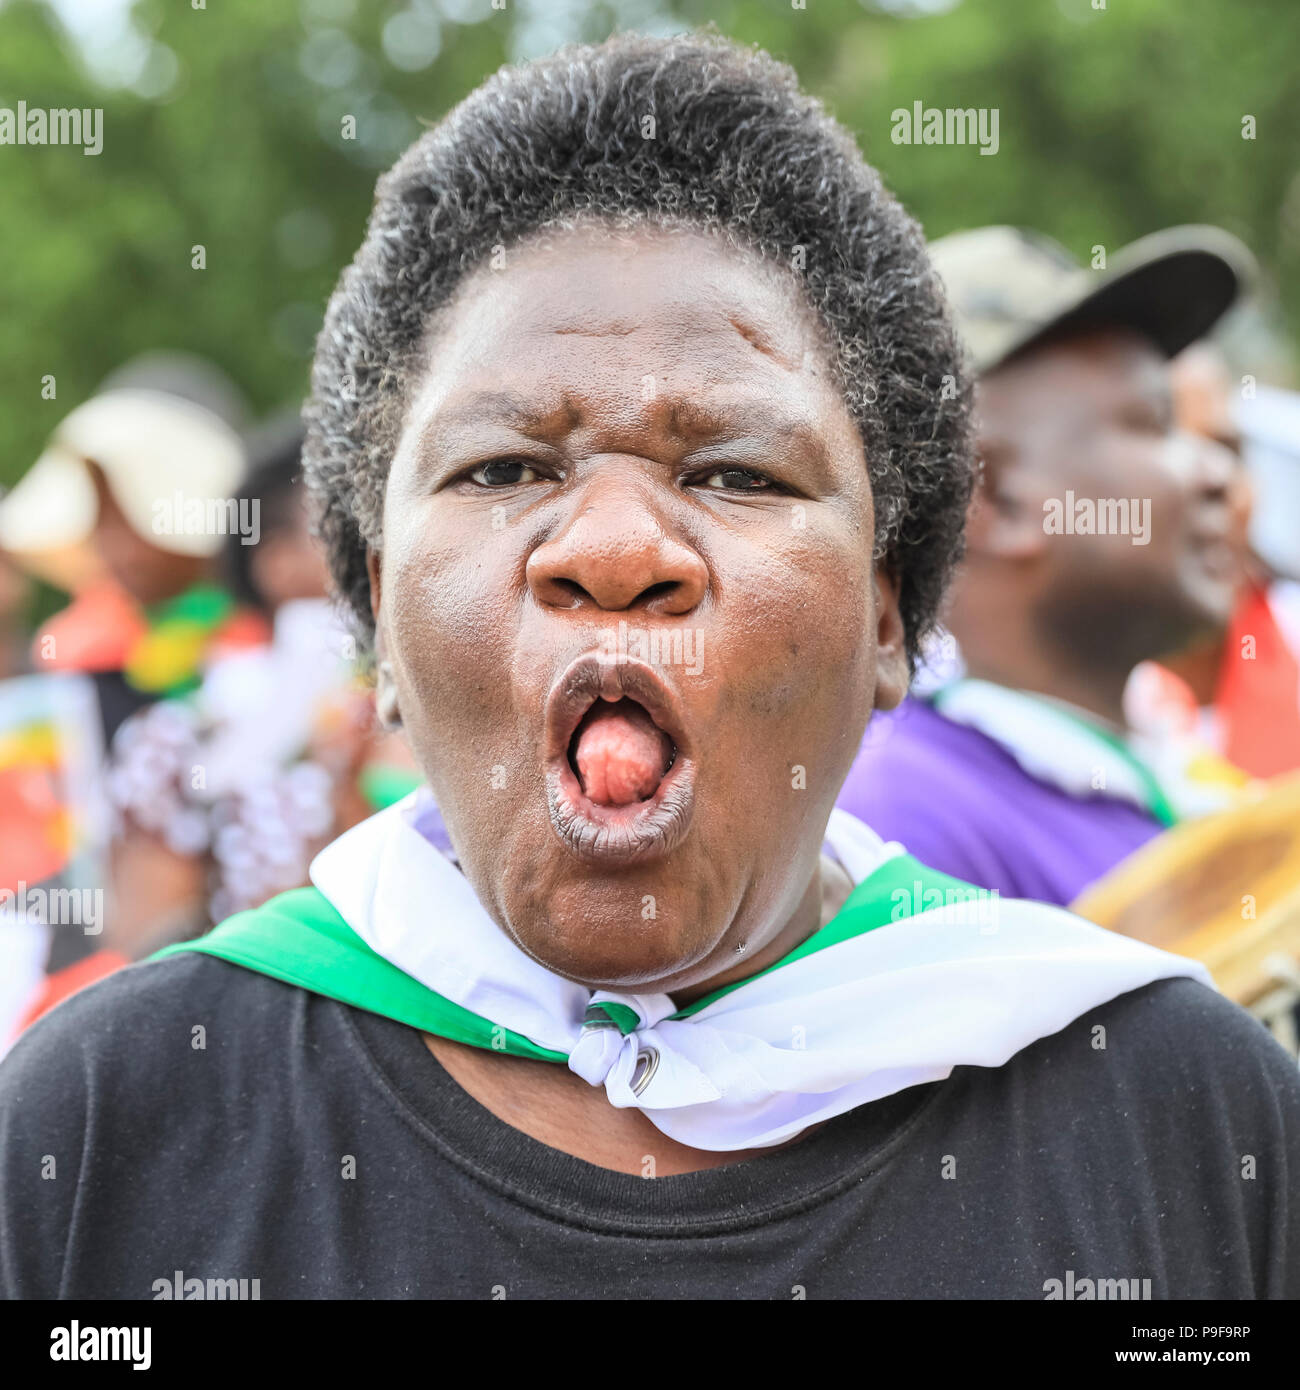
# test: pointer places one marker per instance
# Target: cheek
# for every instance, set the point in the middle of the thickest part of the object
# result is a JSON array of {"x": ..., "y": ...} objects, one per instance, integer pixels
[
  {"x": 1171, "y": 495},
  {"x": 449, "y": 618},
  {"x": 1150, "y": 472},
  {"x": 795, "y": 638}
]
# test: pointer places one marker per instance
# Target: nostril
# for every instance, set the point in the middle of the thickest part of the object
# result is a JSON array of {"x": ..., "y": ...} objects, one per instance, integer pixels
[
  {"x": 571, "y": 589},
  {"x": 667, "y": 586},
  {"x": 568, "y": 593}
]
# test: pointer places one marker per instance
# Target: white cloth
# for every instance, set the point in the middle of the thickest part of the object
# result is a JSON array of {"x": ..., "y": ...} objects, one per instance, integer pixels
[
  {"x": 261, "y": 703},
  {"x": 897, "y": 1006},
  {"x": 1065, "y": 746},
  {"x": 1270, "y": 427}
]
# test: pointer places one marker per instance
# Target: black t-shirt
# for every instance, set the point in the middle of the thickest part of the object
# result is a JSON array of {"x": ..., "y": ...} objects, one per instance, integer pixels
[{"x": 189, "y": 1120}]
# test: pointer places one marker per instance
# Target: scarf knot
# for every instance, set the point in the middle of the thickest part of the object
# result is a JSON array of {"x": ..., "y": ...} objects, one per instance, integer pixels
[{"x": 621, "y": 1048}]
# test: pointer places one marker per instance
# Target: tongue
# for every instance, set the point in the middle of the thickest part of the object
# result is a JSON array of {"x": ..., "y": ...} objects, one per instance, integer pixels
[{"x": 620, "y": 753}]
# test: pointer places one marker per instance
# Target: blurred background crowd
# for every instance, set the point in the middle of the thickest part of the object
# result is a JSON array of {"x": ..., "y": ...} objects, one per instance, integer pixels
[{"x": 183, "y": 717}]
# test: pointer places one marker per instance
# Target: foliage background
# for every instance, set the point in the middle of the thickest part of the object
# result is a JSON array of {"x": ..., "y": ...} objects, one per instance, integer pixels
[{"x": 222, "y": 127}]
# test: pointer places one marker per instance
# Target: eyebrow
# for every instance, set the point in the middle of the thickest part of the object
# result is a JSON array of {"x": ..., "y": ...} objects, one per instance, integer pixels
[
  {"x": 686, "y": 419},
  {"x": 509, "y": 408},
  {"x": 689, "y": 419},
  {"x": 495, "y": 414}
]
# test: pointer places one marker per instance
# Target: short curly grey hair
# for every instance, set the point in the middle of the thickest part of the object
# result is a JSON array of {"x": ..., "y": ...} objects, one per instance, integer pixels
[{"x": 738, "y": 150}]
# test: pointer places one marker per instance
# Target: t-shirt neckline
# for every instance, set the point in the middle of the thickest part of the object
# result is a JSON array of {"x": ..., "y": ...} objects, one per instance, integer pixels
[{"x": 847, "y": 1150}]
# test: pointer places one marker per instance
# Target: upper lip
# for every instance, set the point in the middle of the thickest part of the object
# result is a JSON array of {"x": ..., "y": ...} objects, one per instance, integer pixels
[{"x": 596, "y": 675}]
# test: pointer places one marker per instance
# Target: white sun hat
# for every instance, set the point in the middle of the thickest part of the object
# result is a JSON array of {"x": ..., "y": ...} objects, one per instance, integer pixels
[{"x": 153, "y": 448}]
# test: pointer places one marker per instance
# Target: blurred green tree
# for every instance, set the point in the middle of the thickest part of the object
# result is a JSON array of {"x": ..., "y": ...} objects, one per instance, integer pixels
[{"x": 254, "y": 129}]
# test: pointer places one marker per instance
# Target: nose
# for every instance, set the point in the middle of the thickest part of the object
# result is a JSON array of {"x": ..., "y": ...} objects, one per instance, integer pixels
[{"x": 614, "y": 551}]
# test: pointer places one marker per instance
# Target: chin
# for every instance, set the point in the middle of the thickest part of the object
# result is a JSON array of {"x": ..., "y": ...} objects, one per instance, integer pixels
[
  {"x": 613, "y": 936},
  {"x": 1209, "y": 610}
]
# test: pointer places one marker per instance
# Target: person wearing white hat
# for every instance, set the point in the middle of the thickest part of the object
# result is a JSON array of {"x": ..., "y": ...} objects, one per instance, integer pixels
[
  {"x": 129, "y": 505},
  {"x": 98, "y": 514},
  {"x": 116, "y": 463}
]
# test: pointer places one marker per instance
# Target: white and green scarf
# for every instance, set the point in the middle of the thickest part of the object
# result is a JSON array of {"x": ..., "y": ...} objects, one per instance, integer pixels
[{"x": 917, "y": 974}]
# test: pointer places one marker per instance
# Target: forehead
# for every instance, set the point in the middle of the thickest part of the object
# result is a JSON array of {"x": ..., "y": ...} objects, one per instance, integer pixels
[
  {"x": 1090, "y": 375},
  {"x": 625, "y": 319}
]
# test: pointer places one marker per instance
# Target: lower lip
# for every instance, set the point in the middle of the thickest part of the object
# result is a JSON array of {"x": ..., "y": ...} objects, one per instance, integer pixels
[{"x": 614, "y": 836}]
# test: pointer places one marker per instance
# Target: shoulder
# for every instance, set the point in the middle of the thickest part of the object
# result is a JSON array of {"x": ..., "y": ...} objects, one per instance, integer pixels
[
  {"x": 1181, "y": 1018},
  {"x": 917, "y": 731},
  {"x": 167, "y": 1049},
  {"x": 928, "y": 783},
  {"x": 1155, "y": 1136},
  {"x": 129, "y": 1032},
  {"x": 168, "y": 987},
  {"x": 1183, "y": 1056}
]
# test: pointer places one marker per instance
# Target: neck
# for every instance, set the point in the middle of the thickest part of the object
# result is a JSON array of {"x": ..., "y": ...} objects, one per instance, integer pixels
[
  {"x": 553, "y": 1105},
  {"x": 1099, "y": 694},
  {"x": 825, "y": 894},
  {"x": 1014, "y": 658}
]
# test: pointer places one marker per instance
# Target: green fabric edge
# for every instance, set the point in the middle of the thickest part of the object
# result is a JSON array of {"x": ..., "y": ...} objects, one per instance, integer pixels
[
  {"x": 623, "y": 1016},
  {"x": 1158, "y": 803},
  {"x": 382, "y": 785},
  {"x": 870, "y": 905},
  {"x": 303, "y": 925}
]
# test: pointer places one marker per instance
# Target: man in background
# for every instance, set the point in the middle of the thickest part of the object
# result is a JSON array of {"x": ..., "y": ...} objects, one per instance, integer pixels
[{"x": 1100, "y": 537}]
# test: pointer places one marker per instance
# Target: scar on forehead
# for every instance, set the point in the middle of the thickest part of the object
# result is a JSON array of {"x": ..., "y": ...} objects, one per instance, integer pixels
[
  {"x": 759, "y": 341},
  {"x": 613, "y": 330},
  {"x": 623, "y": 329}
]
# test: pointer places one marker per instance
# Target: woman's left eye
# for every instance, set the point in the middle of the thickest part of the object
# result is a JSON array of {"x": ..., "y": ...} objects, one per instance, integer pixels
[
  {"x": 503, "y": 473},
  {"x": 738, "y": 480}
]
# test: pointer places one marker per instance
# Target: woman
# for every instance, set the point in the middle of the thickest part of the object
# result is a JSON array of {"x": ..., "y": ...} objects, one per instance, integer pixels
[{"x": 640, "y": 441}]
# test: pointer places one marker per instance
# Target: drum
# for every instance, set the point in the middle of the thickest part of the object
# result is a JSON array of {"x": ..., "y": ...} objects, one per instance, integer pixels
[{"x": 1224, "y": 889}]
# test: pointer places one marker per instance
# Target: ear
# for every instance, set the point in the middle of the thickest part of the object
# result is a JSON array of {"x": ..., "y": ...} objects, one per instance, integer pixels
[
  {"x": 387, "y": 709},
  {"x": 1005, "y": 520},
  {"x": 892, "y": 673}
]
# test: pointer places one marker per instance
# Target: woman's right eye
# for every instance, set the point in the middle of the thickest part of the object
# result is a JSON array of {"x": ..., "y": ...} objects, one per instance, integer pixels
[{"x": 503, "y": 473}]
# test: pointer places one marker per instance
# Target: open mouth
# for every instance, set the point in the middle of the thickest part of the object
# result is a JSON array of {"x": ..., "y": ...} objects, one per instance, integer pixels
[
  {"x": 619, "y": 754},
  {"x": 619, "y": 771}
]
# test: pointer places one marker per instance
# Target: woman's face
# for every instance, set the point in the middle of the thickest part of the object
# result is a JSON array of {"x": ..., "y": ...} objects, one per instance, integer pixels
[{"x": 627, "y": 599}]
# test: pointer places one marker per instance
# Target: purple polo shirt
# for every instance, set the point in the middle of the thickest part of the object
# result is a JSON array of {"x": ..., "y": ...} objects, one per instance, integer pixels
[{"x": 961, "y": 803}]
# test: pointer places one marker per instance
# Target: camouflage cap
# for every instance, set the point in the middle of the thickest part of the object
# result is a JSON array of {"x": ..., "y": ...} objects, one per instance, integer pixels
[{"x": 1009, "y": 286}]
